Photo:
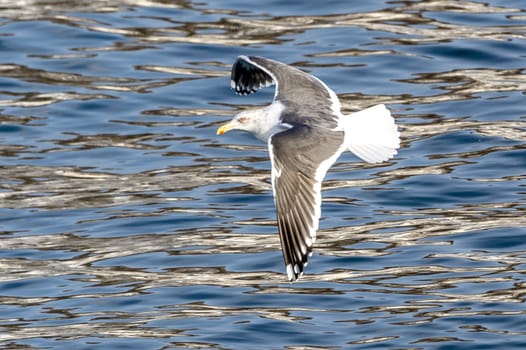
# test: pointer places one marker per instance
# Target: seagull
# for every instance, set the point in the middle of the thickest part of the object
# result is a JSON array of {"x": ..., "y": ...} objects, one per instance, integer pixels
[{"x": 305, "y": 132}]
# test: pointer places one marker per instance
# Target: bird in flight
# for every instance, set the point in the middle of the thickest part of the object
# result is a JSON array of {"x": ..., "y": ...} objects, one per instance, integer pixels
[{"x": 305, "y": 132}]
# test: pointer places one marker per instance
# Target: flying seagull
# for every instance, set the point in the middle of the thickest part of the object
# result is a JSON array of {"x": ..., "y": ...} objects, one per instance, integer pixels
[{"x": 305, "y": 132}]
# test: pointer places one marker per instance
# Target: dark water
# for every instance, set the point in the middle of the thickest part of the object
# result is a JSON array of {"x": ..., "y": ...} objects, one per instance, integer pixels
[{"x": 126, "y": 222}]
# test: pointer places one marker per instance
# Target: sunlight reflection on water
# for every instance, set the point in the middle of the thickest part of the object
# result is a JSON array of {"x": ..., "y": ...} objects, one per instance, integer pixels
[{"x": 125, "y": 222}]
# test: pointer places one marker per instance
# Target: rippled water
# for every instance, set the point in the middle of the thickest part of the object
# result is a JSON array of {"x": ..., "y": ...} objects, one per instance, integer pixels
[{"x": 126, "y": 222}]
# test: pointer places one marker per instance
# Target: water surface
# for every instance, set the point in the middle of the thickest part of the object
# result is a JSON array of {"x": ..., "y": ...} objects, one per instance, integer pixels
[{"x": 126, "y": 222}]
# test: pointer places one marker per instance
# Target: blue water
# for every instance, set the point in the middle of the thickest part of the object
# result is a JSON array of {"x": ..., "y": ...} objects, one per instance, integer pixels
[{"x": 126, "y": 222}]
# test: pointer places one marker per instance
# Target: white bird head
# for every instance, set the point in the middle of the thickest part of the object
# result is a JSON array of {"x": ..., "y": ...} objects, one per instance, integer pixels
[{"x": 261, "y": 122}]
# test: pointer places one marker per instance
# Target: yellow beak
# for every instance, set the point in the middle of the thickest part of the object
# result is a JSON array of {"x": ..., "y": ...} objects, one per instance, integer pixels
[{"x": 225, "y": 128}]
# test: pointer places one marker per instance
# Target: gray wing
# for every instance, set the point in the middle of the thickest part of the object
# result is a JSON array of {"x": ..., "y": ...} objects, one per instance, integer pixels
[
  {"x": 300, "y": 159},
  {"x": 307, "y": 99}
]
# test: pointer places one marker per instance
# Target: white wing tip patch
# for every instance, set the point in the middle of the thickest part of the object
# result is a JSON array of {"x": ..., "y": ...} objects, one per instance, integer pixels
[
  {"x": 290, "y": 272},
  {"x": 293, "y": 272}
]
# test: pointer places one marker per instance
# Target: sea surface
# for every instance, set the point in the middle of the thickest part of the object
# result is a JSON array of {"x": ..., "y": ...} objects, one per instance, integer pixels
[{"x": 127, "y": 223}]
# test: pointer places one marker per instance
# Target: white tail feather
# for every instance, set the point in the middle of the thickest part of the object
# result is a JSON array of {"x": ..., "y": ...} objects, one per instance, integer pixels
[{"x": 372, "y": 134}]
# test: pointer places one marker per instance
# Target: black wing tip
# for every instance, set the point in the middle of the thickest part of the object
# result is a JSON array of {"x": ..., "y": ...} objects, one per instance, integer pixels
[
  {"x": 241, "y": 89},
  {"x": 247, "y": 76},
  {"x": 295, "y": 269}
]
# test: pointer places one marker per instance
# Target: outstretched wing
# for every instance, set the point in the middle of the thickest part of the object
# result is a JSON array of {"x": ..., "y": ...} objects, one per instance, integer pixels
[
  {"x": 307, "y": 99},
  {"x": 300, "y": 159}
]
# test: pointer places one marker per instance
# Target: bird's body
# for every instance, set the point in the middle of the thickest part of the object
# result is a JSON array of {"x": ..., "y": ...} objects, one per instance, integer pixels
[{"x": 305, "y": 132}]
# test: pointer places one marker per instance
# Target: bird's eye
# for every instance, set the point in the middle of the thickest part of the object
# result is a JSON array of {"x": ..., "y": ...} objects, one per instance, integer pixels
[{"x": 242, "y": 120}]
